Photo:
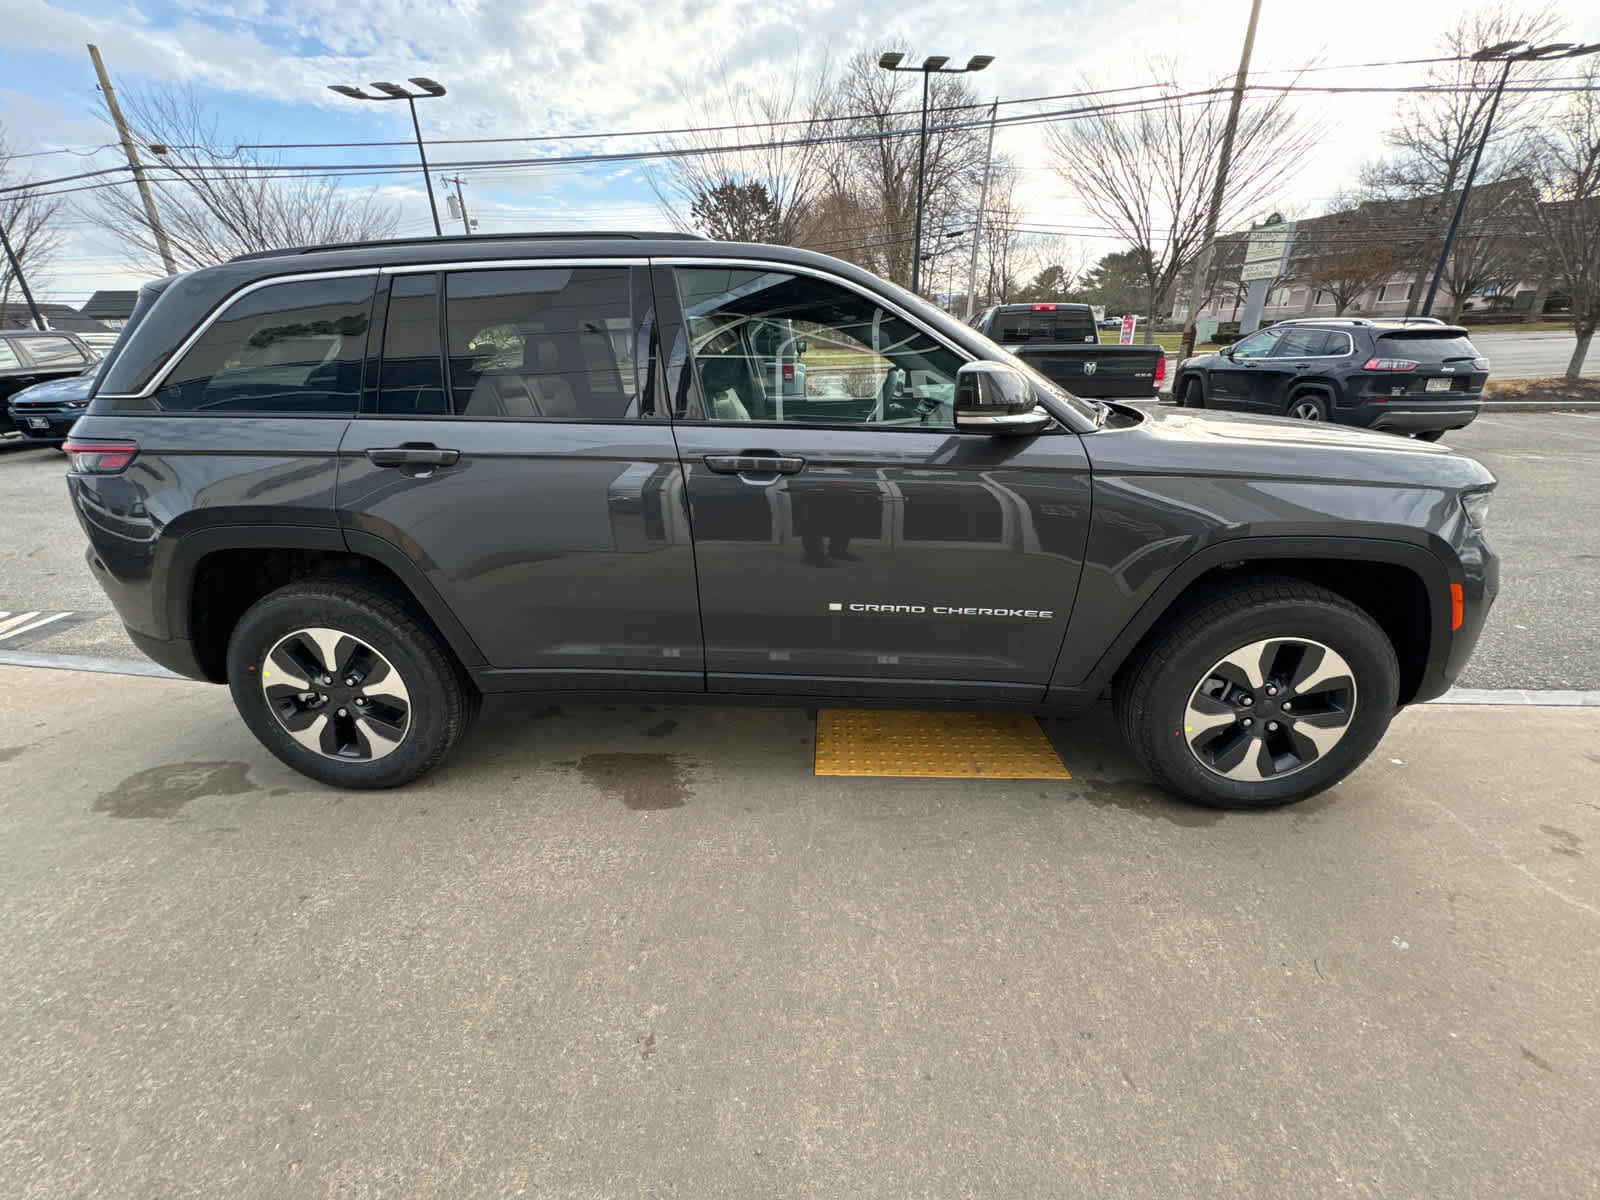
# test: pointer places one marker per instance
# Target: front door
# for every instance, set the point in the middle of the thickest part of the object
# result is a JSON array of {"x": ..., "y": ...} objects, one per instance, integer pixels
[
  {"x": 527, "y": 471},
  {"x": 848, "y": 541},
  {"x": 1236, "y": 380}
]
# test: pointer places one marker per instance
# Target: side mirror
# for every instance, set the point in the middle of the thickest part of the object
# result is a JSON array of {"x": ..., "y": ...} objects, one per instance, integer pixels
[
  {"x": 992, "y": 397},
  {"x": 1226, "y": 352},
  {"x": 799, "y": 348}
]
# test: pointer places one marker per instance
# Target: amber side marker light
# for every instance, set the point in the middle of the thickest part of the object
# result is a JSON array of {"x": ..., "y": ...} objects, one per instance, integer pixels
[{"x": 1457, "y": 607}]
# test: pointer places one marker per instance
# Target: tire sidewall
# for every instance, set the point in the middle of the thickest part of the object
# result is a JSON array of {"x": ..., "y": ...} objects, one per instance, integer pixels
[
  {"x": 1309, "y": 397},
  {"x": 278, "y": 615},
  {"x": 1355, "y": 637}
]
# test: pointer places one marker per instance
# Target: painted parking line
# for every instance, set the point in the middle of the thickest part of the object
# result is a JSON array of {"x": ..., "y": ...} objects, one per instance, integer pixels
[{"x": 20, "y": 628}]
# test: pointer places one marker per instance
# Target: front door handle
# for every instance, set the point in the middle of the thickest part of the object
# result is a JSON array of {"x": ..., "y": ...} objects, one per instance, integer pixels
[
  {"x": 757, "y": 463},
  {"x": 416, "y": 455}
]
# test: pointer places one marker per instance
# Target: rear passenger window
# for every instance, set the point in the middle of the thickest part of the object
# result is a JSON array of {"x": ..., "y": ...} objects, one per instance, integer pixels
[
  {"x": 411, "y": 379},
  {"x": 287, "y": 348},
  {"x": 55, "y": 352},
  {"x": 8, "y": 356},
  {"x": 550, "y": 343}
]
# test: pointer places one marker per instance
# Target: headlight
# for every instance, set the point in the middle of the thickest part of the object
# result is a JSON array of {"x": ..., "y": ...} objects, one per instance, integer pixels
[{"x": 1476, "y": 506}]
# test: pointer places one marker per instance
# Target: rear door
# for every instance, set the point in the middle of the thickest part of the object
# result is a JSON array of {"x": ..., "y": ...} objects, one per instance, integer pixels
[
  {"x": 511, "y": 446},
  {"x": 854, "y": 543}
]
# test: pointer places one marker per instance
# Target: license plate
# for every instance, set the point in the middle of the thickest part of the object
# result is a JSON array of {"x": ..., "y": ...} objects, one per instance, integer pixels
[
  {"x": 38, "y": 422},
  {"x": 1439, "y": 385}
]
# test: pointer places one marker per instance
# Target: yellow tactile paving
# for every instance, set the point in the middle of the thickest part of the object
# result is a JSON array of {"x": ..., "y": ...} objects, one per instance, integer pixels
[{"x": 934, "y": 745}]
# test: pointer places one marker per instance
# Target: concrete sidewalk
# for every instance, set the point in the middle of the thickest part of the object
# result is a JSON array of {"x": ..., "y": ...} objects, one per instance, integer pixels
[{"x": 631, "y": 951}]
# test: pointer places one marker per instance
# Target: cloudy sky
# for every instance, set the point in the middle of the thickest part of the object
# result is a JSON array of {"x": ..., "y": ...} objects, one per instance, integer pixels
[{"x": 527, "y": 68}]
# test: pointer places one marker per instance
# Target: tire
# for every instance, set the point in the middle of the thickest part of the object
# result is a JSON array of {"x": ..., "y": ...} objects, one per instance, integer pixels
[
  {"x": 409, "y": 704},
  {"x": 1188, "y": 672},
  {"x": 1194, "y": 395},
  {"x": 1430, "y": 435},
  {"x": 1307, "y": 406}
]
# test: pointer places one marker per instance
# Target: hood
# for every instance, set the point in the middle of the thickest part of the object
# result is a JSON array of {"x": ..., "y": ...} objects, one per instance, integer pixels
[
  {"x": 1178, "y": 441},
  {"x": 56, "y": 391}
]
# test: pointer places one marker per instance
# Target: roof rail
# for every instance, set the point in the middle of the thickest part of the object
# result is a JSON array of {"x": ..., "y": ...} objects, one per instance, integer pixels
[
  {"x": 1324, "y": 321},
  {"x": 569, "y": 235}
]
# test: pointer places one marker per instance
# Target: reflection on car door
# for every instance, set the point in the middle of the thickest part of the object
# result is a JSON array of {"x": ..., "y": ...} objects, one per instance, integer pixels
[
  {"x": 863, "y": 546},
  {"x": 527, "y": 471}
]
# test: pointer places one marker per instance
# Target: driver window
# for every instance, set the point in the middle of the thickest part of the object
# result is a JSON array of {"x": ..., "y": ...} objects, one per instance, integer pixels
[
  {"x": 793, "y": 349},
  {"x": 1258, "y": 345}
]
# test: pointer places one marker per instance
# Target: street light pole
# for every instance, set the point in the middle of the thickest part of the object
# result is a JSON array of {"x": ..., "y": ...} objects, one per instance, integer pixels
[
  {"x": 1508, "y": 53},
  {"x": 393, "y": 91},
  {"x": 931, "y": 66}
]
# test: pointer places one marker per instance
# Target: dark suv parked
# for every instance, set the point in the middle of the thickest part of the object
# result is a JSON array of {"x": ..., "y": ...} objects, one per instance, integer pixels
[
  {"x": 28, "y": 358},
  {"x": 1414, "y": 376},
  {"x": 365, "y": 485}
]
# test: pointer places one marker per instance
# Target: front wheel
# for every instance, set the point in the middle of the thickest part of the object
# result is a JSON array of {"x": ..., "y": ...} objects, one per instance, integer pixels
[
  {"x": 347, "y": 685},
  {"x": 1260, "y": 695},
  {"x": 1193, "y": 394}
]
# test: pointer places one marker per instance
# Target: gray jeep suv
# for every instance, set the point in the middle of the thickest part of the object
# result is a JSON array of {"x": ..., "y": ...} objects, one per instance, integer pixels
[{"x": 366, "y": 485}]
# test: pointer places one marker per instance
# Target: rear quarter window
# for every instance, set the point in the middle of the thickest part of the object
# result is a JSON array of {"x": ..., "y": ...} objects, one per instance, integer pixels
[{"x": 286, "y": 348}]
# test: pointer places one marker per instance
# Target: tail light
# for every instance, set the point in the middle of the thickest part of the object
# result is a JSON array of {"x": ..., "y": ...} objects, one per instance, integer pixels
[
  {"x": 1390, "y": 364},
  {"x": 1044, "y": 308},
  {"x": 1480, "y": 364},
  {"x": 1161, "y": 370},
  {"x": 99, "y": 458}
]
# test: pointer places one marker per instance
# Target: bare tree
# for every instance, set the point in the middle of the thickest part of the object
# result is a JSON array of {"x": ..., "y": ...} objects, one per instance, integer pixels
[
  {"x": 879, "y": 166},
  {"x": 31, "y": 224},
  {"x": 214, "y": 203},
  {"x": 758, "y": 193},
  {"x": 1146, "y": 171},
  {"x": 1436, "y": 131},
  {"x": 1566, "y": 167},
  {"x": 1351, "y": 250},
  {"x": 1003, "y": 247}
]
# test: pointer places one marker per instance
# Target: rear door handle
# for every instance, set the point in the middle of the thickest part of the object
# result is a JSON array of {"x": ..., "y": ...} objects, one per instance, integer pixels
[
  {"x": 412, "y": 456},
  {"x": 754, "y": 464}
]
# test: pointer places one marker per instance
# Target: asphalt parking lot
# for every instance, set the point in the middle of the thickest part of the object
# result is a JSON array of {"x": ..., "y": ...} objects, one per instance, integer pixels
[{"x": 634, "y": 951}]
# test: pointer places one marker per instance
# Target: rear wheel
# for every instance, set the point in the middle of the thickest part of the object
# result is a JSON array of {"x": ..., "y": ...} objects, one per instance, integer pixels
[
  {"x": 1308, "y": 406},
  {"x": 1260, "y": 695},
  {"x": 348, "y": 685}
]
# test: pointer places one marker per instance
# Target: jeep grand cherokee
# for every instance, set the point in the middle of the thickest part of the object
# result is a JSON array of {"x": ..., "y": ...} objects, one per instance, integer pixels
[{"x": 364, "y": 486}]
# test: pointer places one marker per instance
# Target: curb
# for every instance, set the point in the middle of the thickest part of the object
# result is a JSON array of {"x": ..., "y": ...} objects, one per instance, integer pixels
[{"x": 1539, "y": 406}]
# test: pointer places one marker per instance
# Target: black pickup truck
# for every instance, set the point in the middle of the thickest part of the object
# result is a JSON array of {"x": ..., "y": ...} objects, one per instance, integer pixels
[{"x": 1062, "y": 342}]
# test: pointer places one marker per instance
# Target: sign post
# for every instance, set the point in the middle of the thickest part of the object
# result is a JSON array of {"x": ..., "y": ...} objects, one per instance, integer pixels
[
  {"x": 1129, "y": 324},
  {"x": 1264, "y": 258}
]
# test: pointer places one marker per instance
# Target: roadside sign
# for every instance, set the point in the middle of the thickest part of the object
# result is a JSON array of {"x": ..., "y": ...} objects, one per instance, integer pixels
[
  {"x": 1125, "y": 338},
  {"x": 1264, "y": 252}
]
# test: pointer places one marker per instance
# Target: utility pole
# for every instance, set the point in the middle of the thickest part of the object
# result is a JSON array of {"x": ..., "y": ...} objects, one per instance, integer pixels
[
  {"x": 461, "y": 201},
  {"x": 22, "y": 280},
  {"x": 128, "y": 147},
  {"x": 983, "y": 200},
  {"x": 1202, "y": 262}
]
